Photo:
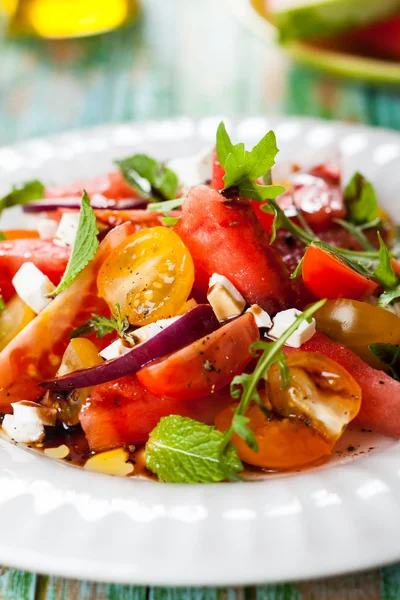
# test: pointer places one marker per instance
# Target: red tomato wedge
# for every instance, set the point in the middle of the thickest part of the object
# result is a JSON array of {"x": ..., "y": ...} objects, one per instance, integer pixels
[
  {"x": 224, "y": 236},
  {"x": 138, "y": 217},
  {"x": 205, "y": 366},
  {"x": 380, "y": 39},
  {"x": 48, "y": 257},
  {"x": 380, "y": 406},
  {"x": 36, "y": 352},
  {"x": 123, "y": 412},
  {"x": 218, "y": 173},
  {"x": 111, "y": 186},
  {"x": 328, "y": 277}
]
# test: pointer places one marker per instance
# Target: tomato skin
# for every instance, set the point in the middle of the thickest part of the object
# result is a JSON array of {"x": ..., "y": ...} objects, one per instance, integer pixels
[
  {"x": 35, "y": 353},
  {"x": 357, "y": 325},
  {"x": 123, "y": 412},
  {"x": 218, "y": 173},
  {"x": 205, "y": 366},
  {"x": 111, "y": 185},
  {"x": 49, "y": 258},
  {"x": 328, "y": 277},
  {"x": 225, "y": 237},
  {"x": 380, "y": 406},
  {"x": 283, "y": 444},
  {"x": 20, "y": 234}
]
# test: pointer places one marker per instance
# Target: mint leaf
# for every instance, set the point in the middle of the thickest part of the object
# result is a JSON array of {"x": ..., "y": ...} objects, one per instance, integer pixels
[
  {"x": 84, "y": 248},
  {"x": 389, "y": 355},
  {"x": 150, "y": 177},
  {"x": 361, "y": 201},
  {"x": 22, "y": 194},
  {"x": 102, "y": 326},
  {"x": 181, "y": 450},
  {"x": 242, "y": 168}
]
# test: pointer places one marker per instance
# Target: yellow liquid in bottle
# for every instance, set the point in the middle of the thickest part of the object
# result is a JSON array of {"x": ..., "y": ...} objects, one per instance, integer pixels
[{"x": 68, "y": 18}]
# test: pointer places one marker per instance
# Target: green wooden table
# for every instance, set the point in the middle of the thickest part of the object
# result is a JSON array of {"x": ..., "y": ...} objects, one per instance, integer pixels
[{"x": 183, "y": 57}]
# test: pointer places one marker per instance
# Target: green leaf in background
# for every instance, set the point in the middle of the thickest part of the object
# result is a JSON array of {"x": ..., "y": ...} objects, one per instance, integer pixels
[
  {"x": 361, "y": 200},
  {"x": 2, "y": 237},
  {"x": 181, "y": 450},
  {"x": 389, "y": 355},
  {"x": 150, "y": 177},
  {"x": 84, "y": 248},
  {"x": 22, "y": 194},
  {"x": 242, "y": 168}
]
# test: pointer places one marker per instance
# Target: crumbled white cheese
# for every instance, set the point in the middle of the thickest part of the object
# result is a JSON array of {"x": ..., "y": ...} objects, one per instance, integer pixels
[
  {"x": 114, "y": 350},
  {"x": 32, "y": 286},
  {"x": 149, "y": 331},
  {"x": 261, "y": 316},
  {"x": 67, "y": 229},
  {"x": 47, "y": 228},
  {"x": 28, "y": 421},
  {"x": 285, "y": 319},
  {"x": 194, "y": 169},
  {"x": 225, "y": 299}
]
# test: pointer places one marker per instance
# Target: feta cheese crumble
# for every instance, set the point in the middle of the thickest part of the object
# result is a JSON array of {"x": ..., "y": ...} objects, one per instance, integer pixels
[
  {"x": 33, "y": 286},
  {"x": 285, "y": 319},
  {"x": 225, "y": 299}
]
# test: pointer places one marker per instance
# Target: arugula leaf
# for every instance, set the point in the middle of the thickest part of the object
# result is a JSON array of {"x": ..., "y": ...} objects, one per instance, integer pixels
[
  {"x": 389, "y": 355},
  {"x": 2, "y": 303},
  {"x": 242, "y": 168},
  {"x": 361, "y": 201},
  {"x": 181, "y": 450},
  {"x": 245, "y": 386},
  {"x": 357, "y": 232},
  {"x": 84, "y": 248},
  {"x": 22, "y": 194},
  {"x": 170, "y": 221},
  {"x": 150, "y": 177},
  {"x": 384, "y": 272},
  {"x": 166, "y": 206},
  {"x": 298, "y": 272},
  {"x": 102, "y": 326},
  {"x": 239, "y": 426},
  {"x": 388, "y": 296}
]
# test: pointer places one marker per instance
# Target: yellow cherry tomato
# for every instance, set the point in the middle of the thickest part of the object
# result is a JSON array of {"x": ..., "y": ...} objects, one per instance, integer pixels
[
  {"x": 13, "y": 319},
  {"x": 283, "y": 444},
  {"x": 357, "y": 325},
  {"x": 81, "y": 353},
  {"x": 150, "y": 276},
  {"x": 321, "y": 393}
]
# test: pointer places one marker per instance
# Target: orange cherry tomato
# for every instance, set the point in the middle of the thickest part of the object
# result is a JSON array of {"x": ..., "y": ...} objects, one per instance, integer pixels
[
  {"x": 328, "y": 277},
  {"x": 150, "y": 276},
  {"x": 283, "y": 444},
  {"x": 321, "y": 393},
  {"x": 81, "y": 353},
  {"x": 20, "y": 234},
  {"x": 205, "y": 366}
]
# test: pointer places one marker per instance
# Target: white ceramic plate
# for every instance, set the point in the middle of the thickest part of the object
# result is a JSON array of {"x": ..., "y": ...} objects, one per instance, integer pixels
[{"x": 340, "y": 517}]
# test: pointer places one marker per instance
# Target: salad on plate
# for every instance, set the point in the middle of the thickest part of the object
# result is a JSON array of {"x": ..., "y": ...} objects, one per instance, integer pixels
[{"x": 202, "y": 319}]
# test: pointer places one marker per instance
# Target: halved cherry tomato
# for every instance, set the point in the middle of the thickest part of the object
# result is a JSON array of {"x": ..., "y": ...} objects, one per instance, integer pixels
[
  {"x": 111, "y": 186},
  {"x": 13, "y": 319},
  {"x": 320, "y": 392},
  {"x": 49, "y": 258},
  {"x": 283, "y": 444},
  {"x": 224, "y": 236},
  {"x": 35, "y": 353},
  {"x": 150, "y": 276},
  {"x": 205, "y": 366},
  {"x": 218, "y": 173},
  {"x": 357, "y": 325},
  {"x": 20, "y": 234},
  {"x": 328, "y": 277},
  {"x": 380, "y": 407},
  {"x": 81, "y": 353},
  {"x": 123, "y": 412}
]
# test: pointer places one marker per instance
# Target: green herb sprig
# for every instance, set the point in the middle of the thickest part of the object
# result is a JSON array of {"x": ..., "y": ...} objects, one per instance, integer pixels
[
  {"x": 102, "y": 326},
  {"x": 389, "y": 355}
]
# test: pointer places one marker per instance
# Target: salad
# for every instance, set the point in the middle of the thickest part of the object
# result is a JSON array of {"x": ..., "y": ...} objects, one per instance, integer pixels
[{"x": 194, "y": 320}]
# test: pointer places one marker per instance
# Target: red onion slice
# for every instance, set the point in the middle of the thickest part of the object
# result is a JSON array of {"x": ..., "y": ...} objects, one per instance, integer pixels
[
  {"x": 195, "y": 324},
  {"x": 96, "y": 201}
]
